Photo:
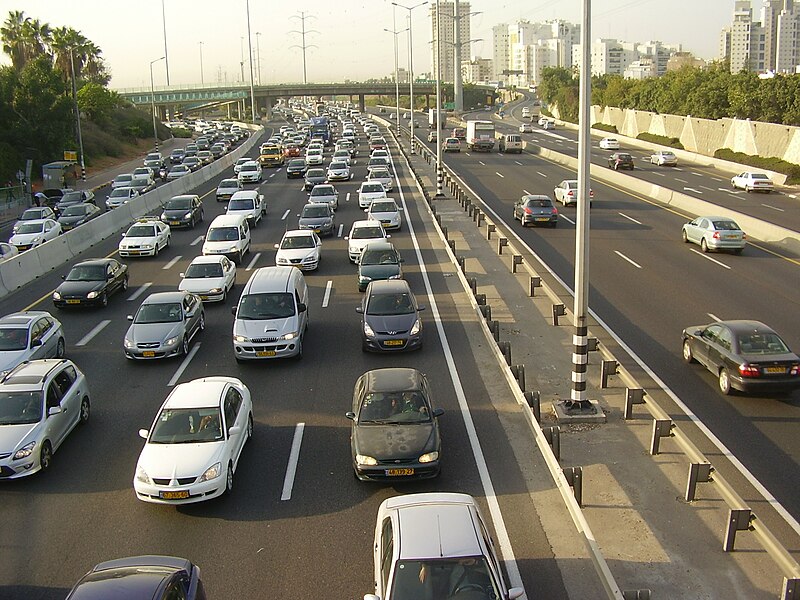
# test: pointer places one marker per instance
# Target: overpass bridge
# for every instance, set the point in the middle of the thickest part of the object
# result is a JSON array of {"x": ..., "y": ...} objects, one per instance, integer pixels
[{"x": 237, "y": 95}]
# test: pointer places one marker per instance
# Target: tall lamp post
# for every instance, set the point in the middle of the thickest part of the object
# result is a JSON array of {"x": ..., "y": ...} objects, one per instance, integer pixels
[
  {"x": 250, "y": 54},
  {"x": 166, "y": 55},
  {"x": 258, "y": 55},
  {"x": 396, "y": 76},
  {"x": 410, "y": 66},
  {"x": 153, "y": 98},
  {"x": 202, "y": 80},
  {"x": 458, "y": 85},
  {"x": 439, "y": 174},
  {"x": 77, "y": 112}
]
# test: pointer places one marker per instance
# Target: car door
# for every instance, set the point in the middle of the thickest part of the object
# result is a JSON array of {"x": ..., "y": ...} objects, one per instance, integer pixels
[
  {"x": 231, "y": 407},
  {"x": 70, "y": 394},
  {"x": 39, "y": 340},
  {"x": 57, "y": 424},
  {"x": 228, "y": 273},
  {"x": 694, "y": 230},
  {"x": 191, "y": 314},
  {"x": 707, "y": 340},
  {"x": 720, "y": 351},
  {"x": 384, "y": 555}
]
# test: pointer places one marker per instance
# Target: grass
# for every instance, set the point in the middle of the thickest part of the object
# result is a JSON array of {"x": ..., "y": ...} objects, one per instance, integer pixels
[{"x": 770, "y": 163}]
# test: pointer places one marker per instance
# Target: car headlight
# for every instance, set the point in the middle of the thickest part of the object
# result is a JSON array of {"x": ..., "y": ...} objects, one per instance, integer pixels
[
  {"x": 368, "y": 331},
  {"x": 36, "y": 240},
  {"x": 289, "y": 336},
  {"x": 147, "y": 246},
  {"x": 394, "y": 276},
  {"x": 415, "y": 329},
  {"x": 141, "y": 475},
  {"x": 429, "y": 457},
  {"x": 232, "y": 249},
  {"x": 215, "y": 291},
  {"x": 364, "y": 279},
  {"x": 240, "y": 339},
  {"x": 188, "y": 215},
  {"x": 171, "y": 341},
  {"x": 353, "y": 249},
  {"x": 25, "y": 451},
  {"x": 282, "y": 261},
  {"x": 365, "y": 460},
  {"x": 212, "y": 472},
  {"x": 163, "y": 216},
  {"x": 91, "y": 295},
  {"x": 56, "y": 296},
  {"x": 128, "y": 343}
]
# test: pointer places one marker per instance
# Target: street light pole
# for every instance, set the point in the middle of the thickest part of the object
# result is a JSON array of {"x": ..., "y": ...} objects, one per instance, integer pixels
[
  {"x": 439, "y": 174},
  {"x": 250, "y": 54},
  {"x": 410, "y": 67},
  {"x": 166, "y": 55},
  {"x": 258, "y": 55},
  {"x": 153, "y": 98},
  {"x": 77, "y": 113},
  {"x": 396, "y": 75},
  {"x": 202, "y": 80}
]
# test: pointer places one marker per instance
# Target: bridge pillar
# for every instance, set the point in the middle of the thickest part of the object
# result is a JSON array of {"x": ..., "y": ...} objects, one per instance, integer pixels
[
  {"x": 268, "y": 102},
  {"x": 427, "y": 102},
  {"x": 361, "y": 105}
]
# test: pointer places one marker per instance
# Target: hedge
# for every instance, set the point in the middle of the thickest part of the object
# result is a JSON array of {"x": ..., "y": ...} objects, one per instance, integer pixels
[{"x": 770, "y": 163}]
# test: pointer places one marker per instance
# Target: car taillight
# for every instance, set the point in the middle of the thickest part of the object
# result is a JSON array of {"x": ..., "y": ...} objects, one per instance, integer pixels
[
  {"x": 528, "y": 211},
  {"x": 555, "y": 210},
  {"x": 747, "y": 370},
  {"x": 570, "y": 193},
  {"x": 744, "y": 236},
  {"x": 716, "y": 235},
  {"x": 591, "y": 194}
]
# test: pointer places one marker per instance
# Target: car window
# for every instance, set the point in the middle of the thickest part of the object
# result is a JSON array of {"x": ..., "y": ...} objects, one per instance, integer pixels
[
  {"x": 762, "y": 343},
  {"x": 394, "y": 407},
  {"x": 387, "y": 549},
  {"x": 725, "y": 338},
  {"x": 177, "y": 588},
  {"x": 389, "y": 304},
  {"x": 65, "y": 379},
  {"x": 711, "y": 333},
  {"x": 159, "y": 313},
  {"x": 232, "y": 404},
  {"x": 54, "y": 395},
  {"x": 443, "y": 576},
  {"x": 187, "y": 426}
]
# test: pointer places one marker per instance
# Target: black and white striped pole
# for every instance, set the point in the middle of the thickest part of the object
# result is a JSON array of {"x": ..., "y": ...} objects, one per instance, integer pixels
[
  {"x": 77, "y": 113},
  {"x": 439, "y": 174}
]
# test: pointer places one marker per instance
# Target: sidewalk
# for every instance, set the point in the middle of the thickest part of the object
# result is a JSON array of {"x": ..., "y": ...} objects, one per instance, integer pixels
[{"x": 650, "y": 537}]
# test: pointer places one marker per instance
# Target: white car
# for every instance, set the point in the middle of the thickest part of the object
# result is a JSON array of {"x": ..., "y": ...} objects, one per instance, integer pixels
[
  {"x": 209, "y": 277},
  {"x": 383, "y": 176},
  {"x": 237, "y": 166},
  {"x": 609, "y": 144},
  {"x": 146, "y": 237},
  {"x": 339, "y": 171},
  {"x": 314, "y": 157},
  {"x": 7, "y": 251},
  {"x": 664, "y": 158},
  {"x": 249, "y": 203},
  {"x": 250, "y": 172},
  {"x": 526, "y": 128},
  {"x": 41, "y": 401},
  {"x": 380, "y": 153},
  {"x": 566, "y": 192},
  {"x": 361, "y": 234},
  {"x": 342, "y": 155},
  {"x": 122, "y": 180},
  {"x": 195, "y": 442},
  {"x": 299, "y": 248},
  {"x": 33, "y": 233},
  {"x": 33, "y": 214},
  {"x": 120, "y": 196},
  {"x": 751, "y": 182},
  {"x": 369, "y": 191},
  {"x": 387, "y": 212}
]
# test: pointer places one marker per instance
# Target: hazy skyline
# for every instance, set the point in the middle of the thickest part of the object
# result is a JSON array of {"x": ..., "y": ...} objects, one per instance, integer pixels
[{"x": 351, "y": 42}]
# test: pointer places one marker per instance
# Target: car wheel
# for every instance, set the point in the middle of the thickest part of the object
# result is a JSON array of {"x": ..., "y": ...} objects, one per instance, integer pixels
[
  {"x": 125, "y": 284},
  {"x": 249, "y": 426},
  {"x": 60, "y": 347},
  {"x": 748, "y": 189},
  {"x": 684, "y": 237},
  {"x": 687, "y": 352},
  {"x": 724, "y": 382},
  {"x": 554, "y": 224},
  {"x": 85, "y": 410},
  {"x": 185, "y": 345},
  {"x": 169, "y": 240},
  {"x": 191, "y": 223},
  {"x": 104, "y": 299},
  {"x": 229, "y": 480},
  {"x": 703, "y": 245},
  {"x": 46, "y": 456}
]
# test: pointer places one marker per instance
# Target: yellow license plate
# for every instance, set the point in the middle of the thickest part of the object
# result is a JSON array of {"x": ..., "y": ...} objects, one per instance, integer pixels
[
  {"x": 203, "y": 297},
  {"x": 148, "y": 354},
  {"x": 774, "y": 370},
  {"x": 393, "y": 343},
  {"x": 174, "y": 222},
  {"x": 132, "y": 252},
  {"x": 265, "y": 353},
  {"x": 542, "y": 218},
  {"x": 73, "y": 301},
  {"x": 174, "y": 495},
  {"x": 399, "y": 472}
]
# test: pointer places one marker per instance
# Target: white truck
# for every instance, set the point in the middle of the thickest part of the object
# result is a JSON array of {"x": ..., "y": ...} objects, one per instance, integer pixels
[
  {"x": 432, "y": 119},
  {"x": 480, "y": 135}
]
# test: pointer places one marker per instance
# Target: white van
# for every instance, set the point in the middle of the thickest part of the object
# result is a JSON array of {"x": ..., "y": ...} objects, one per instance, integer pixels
[
  {"x": 249, "y": 203},
  {"x": 511, "y": 142},
  {"x": 228, "y": 235},
  {"x": 272, "y": 315}
]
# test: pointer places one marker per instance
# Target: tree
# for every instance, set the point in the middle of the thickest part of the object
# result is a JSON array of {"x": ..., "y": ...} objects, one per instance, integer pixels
[{"x": 97, "y": 101}]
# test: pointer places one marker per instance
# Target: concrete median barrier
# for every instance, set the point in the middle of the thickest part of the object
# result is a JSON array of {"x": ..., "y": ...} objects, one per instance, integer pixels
[
  {"x": 52, "y": 254},
  {"x": 20, "y": 270}
]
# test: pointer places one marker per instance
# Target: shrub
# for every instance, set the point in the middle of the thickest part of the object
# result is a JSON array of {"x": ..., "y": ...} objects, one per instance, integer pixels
[
  {"x": 660, "y": 139},
  {"x": 770, "y": 163},
  {"x": 604, "y": 127},
  {"x": 181, "y": 132}
]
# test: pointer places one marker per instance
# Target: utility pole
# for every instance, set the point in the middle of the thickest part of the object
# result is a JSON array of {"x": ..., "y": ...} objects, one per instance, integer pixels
[
  {"x": 258, "y": 56},
  {"x": 77, "y": 112},
  {"x": 303, "y": 46},
  {"x": 250, "y": 55},
  {"x": 458, "y": 89},
  {"x": 202, "y": 81},
  {"x": 439, "y": 173},
  {"x": 166, "y": 55}
]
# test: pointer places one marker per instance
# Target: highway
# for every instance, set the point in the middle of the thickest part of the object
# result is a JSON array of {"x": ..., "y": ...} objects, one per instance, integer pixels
[
  {"x": 647, "y": 286},
  {"x": 278, "y": 535}
]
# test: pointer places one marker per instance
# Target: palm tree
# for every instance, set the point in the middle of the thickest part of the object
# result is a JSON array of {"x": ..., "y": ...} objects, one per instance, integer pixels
[{"x": 12, "y": 36}]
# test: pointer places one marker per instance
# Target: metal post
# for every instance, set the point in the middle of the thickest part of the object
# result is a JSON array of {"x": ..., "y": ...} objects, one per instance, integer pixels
[
  {"x": 580, "y": 361},
  {"x": 410, "y": 67},
  {"x": 458, "y": 88},
  {"x": 396, "y": 73},
  {"x": 439, "y": 192},
  {"x": 166, "y": 54},
  {"x": 258, "y": 55},
  {"x": 77, "y": 113},
  {"x": 250, "y": 56},
  {"x": 202, "y": 80},
  {"x": 153, "y": 98}
]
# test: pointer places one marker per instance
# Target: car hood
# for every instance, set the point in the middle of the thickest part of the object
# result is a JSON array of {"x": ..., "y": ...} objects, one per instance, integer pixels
[
  {"x": 25, "y": 238},
  {"x": 247, "y": 212},
  {"x": 200, "y": 284},
  {"x": 137, "y": 241},
  {"x": 179, "y": 460},
  {"x": 378, "y": 271},
  {"x": 79, "y": 288},
  {"x": 72, "y": 220},
  {"x": 12, "y": 435},
  {"x": 265, "y": 328},
  {"x": 314, "y": 221},
  {"x": 295, "y": 253},
  {"x": 391, "y": 322},
  {"x": 177, "y": 213},
  {"x": 386, "y": 442},
  {"x": 153, "y": 332},
  {"x": 389, "y": 215}
]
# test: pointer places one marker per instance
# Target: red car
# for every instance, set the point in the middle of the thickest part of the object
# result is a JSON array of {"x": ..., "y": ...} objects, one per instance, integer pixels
[{"x": 291, "y": 151}]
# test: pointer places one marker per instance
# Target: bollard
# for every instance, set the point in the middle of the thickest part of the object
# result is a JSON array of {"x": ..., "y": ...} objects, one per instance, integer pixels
[
  {"x": 433, "y": 209},
  {"x": 632, "y": 396},
  {"x": 494, "y": 327},
  {"x": 516, "y": 260},
  {"x": 535, "y": 283},
  {"x": 519, "y": 374},
  {"x": 607, "y": 369},
  {"x": 661, "y": 428},
  {"x": 480, "y": 299},
  {"x": 574, "y": 477},
  {"x": 467, "y": 204},
  {"x": 553, "y": 437},
  {"x": 501, "y": 243},
  {"x": 559, "y": 310},
  {"x": 476, "y": 213},
  {"x": 486, "y": 311},
  {"x": 592, "y": 344},
  {"x": 473, "y": 284},
  {"x": 738, "y": 520},
  {"x": 470, "y": 209},
  {"x": 480, "y": 219},
  {"x": 461, "y": 260},
  {"x": 505, "y": 348},
  {"x": 444, "y": 232},
  {"x": 790, "y": 590},
  {"x": 534, "y": 402},
  {"x": 452, "y": 244},
  {"x": 698, "y": 473},
  {"x": 490, "y": 228},
  {"x": 636, "y": 595}
]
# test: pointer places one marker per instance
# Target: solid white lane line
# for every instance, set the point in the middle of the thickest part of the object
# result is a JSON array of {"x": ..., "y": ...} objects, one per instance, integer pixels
[
  {"x": 140, "y": 291},
  {"x": 519, "y": 163},
  {"x": 714, "y": 317},
  {"x": 97, "y": 329},
  {"x": 773, "y": 207},
  {"x": 621, "y": 255},
  {"x": 286, "y": 214},
  {"x": 197, "y": 240},
  {"x": 681, "y": 180},
  {"x": 566, "y": 218},
  {"x": 184, "y": 364},
  {"x": 480, "y": 162},
  {"x": 291, "y": 468},
  {"x": 327, "y": 297},
  {"x": 623, "y": 215},
  {"x": 341, "y": 228},
  {"x": 714, "y": 260},
  {"x": 499, "y": 174},
  {"x": 542, "y": 174},
  {"x": 253, "y": 262},
  {"x": 171, "y": 263}
]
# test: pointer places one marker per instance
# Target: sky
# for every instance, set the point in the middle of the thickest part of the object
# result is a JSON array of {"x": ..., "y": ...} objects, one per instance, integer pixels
[{"x": 345, "y": 39}]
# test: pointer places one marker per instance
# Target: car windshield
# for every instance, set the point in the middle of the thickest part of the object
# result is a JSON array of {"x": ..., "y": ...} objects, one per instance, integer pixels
[
  {"x": 365, "y": 233},
  {"x": 229, "y": 183},
  {"x": 167, "y": 312},
  {"x": 179, "y": 204},
  {"x": 32, "y": 214},
  {"x": 762, "y": 343},
  {"x": 141, "y": 231},
  {"x": 298, "y": 162},
  {"x": 75, "y": 211},
  {"x": 203, "y": 270},
  {"x": 378, "y": 207},
  {"x": 390, "y": 304},
  {"x": 241, "y": 204},
  {"x": 266, "y": 306},
  {"x": 322, "y": 190},
  {"x": 394, "y": 407},
  {"x": 571, "y": 185},
  {"x": 315, "y": 173},
  {"x": 87, "y": 273},
  {"x": 379, "y": 174},
  {"x": 310, "y": 212},
  {"x": 725, "y": 226},
  {"x": 293, "y": 242},
  {"x": 249, "y": 167},
  {"x": 20, "y": 408},
  {"x": 445, "y": 576},
  {"x": 223, "y": 234},
  {"x": 120, "y": 193},
  {"x": 13, "y": 338},
  {"x": 337, "y": 165},
  {"x": 71, "y": 197},
  {"x": 187, "y": 426},
  {"x": 123, "y": 178},
  {"x": 379, "y": 257},
  {"x": 179, "y": 169},
  {"x": 30, "y": 228},
  {"x": 372, "y": 188}
]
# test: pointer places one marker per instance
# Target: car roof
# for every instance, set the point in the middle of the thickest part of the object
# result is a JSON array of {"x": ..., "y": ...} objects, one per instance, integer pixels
[
  {"x": 228, "y": 220},
  {"x": 366, "y": 223},
  {"x": 746, "y": 326},
  {"x": 206, "y": 259},
  {"x": 389, "y": 286},
  {"x": 94, "y": 262},
  {"x": 31, "y": 371},
  {"x": 392, "y": 379},
  {"x": 536, "y": 197},
  {"x": 164, "y": 297},
  {"x": 249, "y": 194},
  {"x": 298, "y": 233},
  {"x": 197, "y": 393},
  {"x": 184, "y": 197},
  {"x": 380, "y": 246},
  {"x": 23, "y": 317},
  {"x": 144, "y": 222}
]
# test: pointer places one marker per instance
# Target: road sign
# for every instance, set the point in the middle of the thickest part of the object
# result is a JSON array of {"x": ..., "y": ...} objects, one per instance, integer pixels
[
  {"x": 449, "y": 106},
  {"x": 71, "y": 155}
]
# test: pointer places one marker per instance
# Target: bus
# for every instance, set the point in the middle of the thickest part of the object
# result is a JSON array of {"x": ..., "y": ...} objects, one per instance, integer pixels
[{"x": 320, "y": 129}]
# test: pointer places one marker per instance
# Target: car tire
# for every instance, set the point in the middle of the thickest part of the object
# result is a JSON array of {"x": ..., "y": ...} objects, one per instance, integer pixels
[
  {"x": 185, "y": 345},
  {"x": 229, "y": 480},
  {"x": 724, "y": 382},
  {"x": 104, "y": 300},
  {"x": 46, "y": 456},
  {"x": 60, "y": 348},
  {"x": 125, "y": 284},
  {"x": 703, "y": 245},
  {"x": 554, "y": 224},
  {"x": 688, "y": 356},
  {"x": 747, "y": 189},
  {"x": 85, "y": 410},
  {"x": 738, "y": 251}
]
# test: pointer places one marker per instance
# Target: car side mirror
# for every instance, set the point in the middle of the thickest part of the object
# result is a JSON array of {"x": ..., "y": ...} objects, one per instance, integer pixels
[
  {"x": 360, "y": 310},
  {"x": 438, "y": 412},
  {"x": 401, "y": 260},
  {"x": 54, "y": 410},
  {"x": 181, "y": 275},
  {"x": 123, "y": 235},
  {"x": 63, "y": 277},
  {"x": 514, "y": 593},
  {"x": 419, "y": 308},
  {"x": 388, "y": 236},
  {"x": 352, "y": 416},
  {"x": 347, "y": 237},
  {"x": 235, "y": 430},
  {"x": 301, "y": 307},
  {"x": 36, "y": 343},
  {"x": 130, "y": 317},
  {"x": 697, "y": 332},
  {"x": 276, "y": 246},
  {"x": 233, "y": 310},
  {"x": 143, "y": 433}
]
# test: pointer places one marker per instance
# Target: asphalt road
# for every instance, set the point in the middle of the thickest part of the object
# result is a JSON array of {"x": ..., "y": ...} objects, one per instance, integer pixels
[
  {"x": 252, "y": 544},
  {"x": 647, "y": 286}
]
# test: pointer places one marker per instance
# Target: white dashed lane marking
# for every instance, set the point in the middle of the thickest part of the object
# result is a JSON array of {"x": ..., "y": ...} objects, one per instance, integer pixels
[
  {"x": 89, "y": 336},
  {"x": 140, "y": 291}
]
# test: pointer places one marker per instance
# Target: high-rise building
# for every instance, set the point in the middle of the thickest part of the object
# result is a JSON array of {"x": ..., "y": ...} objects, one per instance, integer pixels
[
  {"x": 523, "y": 49},
  {"x": 477, "y": 70},
  {"x": 499, "y": 51},
  {"x": 443, "y": 33},
  {"x": 787, "y": 36}
]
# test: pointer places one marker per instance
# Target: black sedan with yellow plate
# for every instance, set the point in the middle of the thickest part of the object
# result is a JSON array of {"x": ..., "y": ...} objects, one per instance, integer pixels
[
  {"x": 91, "y": 282},
  {"x": 395, "y": 429},
  {"x": 183, "y": 211}
]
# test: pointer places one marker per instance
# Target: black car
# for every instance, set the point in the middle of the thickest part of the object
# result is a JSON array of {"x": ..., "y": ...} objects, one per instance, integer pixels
[
  {"x": 183, "y": 211},
  {"x": 176, "y": 156},
  {"x": 91, "y": 282},
  {"x": 395, "y": 429},
  {"x": 313, "y": 177},
  {"x": 137, "y": 577},
  {"x": 378, "y": 261},
  {"x": 318, "y": 217},
  {"x": 620, "y": 160},
  {"x": 744, "y": 355},
  {"x": 536, "y": 210},
  {"x": 296, "y": 168},
  {"x": 78, "y": 214}
]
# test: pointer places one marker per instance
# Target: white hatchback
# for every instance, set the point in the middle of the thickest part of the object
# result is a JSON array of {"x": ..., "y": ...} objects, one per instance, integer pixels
[
  {"x": 361, "y": 234},
  {"x": 387, "y": 212},
  {"x": 250, "y": 172},
  {"x": 609, "y": 144},
  {"x": 33, "y": 233},
  {"x": 146, "y": 237},
  {"x": 195, "y": 442},
  {"x": 369, "y": 191},
  {"x": 210, "y": 277},
  {"x": 299, "y": 248}
]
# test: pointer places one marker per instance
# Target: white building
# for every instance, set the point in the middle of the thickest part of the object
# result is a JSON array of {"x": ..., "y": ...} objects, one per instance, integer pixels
[
  {"x": 477, "y": 70},
  {"x": 444, "y": 32},
  {"x": 523, "y": 48},
  {"x": 640, "y": 69}
]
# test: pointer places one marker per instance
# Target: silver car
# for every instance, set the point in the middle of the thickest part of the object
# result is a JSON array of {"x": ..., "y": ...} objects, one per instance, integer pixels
[
  {"x": 715, "y": 233},
  {"x": 164, "y": 326},
  {"x": 28, "y": 336},
  {"x": 390, "y": 317},
  {"x": 324, "y": 194}
]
